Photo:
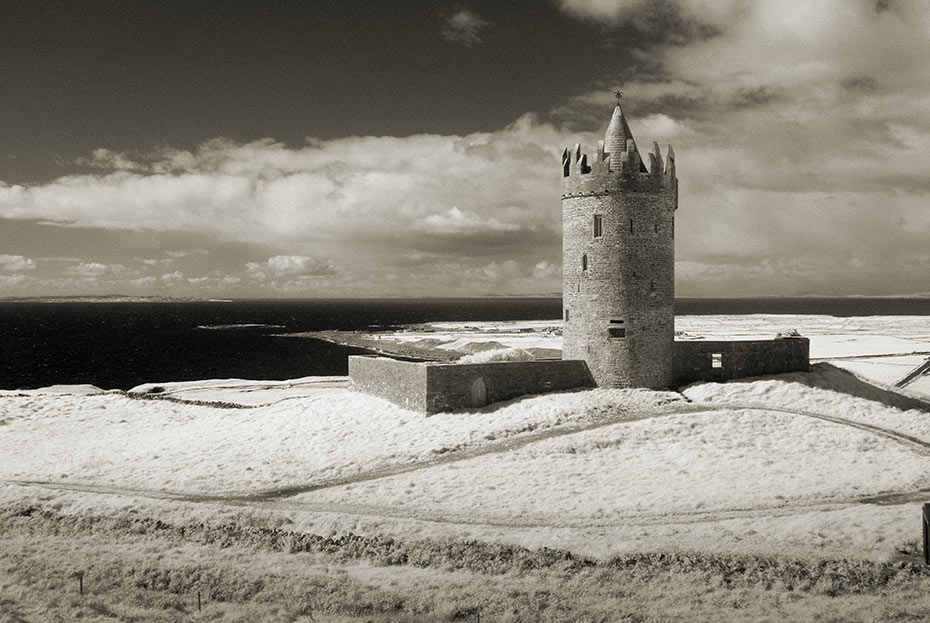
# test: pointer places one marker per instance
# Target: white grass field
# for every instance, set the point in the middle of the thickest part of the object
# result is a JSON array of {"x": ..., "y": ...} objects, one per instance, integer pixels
[{"x": 829, "y": 464}]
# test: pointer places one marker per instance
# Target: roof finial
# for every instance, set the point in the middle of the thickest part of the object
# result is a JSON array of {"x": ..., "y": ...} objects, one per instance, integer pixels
[{"x": 619, "y": 96}]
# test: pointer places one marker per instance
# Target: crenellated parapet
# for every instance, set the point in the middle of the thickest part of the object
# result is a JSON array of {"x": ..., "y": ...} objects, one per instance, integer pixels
[
  {"x": 617, "y": 165},
  {"x": 624, "y": 170}
]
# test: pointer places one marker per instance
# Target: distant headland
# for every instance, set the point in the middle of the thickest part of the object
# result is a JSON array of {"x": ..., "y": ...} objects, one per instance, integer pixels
[{"x": 107, "y": 298}]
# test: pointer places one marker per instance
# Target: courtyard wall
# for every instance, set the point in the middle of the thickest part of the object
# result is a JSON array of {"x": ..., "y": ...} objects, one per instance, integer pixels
[
  {"x": 701, "y": 360},
  {"x": 439, "y": 387},
  {"x": 401, "y": 382},
  {"x": 452, "y": 387},
  {"x": 430, "y": 387}
]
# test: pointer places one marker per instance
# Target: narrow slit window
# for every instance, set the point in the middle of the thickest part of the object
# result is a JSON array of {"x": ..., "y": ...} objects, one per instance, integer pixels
[
  {"x": 655, "y": 227},
  {"x": 598, "y": 226},
  {"x": 566, "y": 314},
  {"x": 584, "y": 262},
  {"x": 652, "y": 286},
  {"x": 631, "y": 226},
  {"x": 716, "y": 360}
]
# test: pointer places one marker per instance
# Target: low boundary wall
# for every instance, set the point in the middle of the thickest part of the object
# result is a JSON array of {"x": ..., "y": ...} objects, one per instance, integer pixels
[
  {"x": 401, "y": 382},
  {"x": 436, "y": 387},
  {"x": 439, "y": 387},
  {"x": 451, "y": 387},
  {"x": 735, "y": 359}
]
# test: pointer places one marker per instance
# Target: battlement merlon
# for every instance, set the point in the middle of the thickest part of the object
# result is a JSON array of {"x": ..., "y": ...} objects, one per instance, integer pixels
[{"x": 582, "y": 174}]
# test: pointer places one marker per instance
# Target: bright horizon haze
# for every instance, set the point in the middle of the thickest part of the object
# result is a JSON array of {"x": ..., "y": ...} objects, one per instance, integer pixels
[{"x": 325, "y": 149}]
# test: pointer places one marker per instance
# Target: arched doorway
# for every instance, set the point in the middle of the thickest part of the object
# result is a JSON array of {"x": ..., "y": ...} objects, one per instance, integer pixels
[{"x": 479, "y": 393}]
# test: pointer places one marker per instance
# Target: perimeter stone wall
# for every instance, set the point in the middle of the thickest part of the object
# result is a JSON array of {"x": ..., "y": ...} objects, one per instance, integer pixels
[
  {"x": 444, "y": 387},
  {"x": 453, "y": 387},
  {"x": 437, "y": 387},
  {"x": 401, "y": 382},
  {"x": 694, "y": 361}
]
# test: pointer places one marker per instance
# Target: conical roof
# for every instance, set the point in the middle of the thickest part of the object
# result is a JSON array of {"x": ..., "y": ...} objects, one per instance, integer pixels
[{"x": 618, "y": 132}]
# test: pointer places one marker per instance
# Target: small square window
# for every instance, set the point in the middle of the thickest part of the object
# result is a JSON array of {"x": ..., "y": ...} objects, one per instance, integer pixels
[
  {"x": 716, "y": 360},
  {"x": 616, "y": 332}
]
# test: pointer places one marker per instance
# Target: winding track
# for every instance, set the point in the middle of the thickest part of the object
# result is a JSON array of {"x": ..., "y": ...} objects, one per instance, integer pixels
[
  {"x": 453, "y": 456},
  {"x": 278, "y": 498}
]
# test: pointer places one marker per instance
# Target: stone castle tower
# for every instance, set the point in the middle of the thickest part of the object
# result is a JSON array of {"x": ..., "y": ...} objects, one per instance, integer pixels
[
  {"x": 618, "y": 235},
  {"x": 618, "y": 260}
]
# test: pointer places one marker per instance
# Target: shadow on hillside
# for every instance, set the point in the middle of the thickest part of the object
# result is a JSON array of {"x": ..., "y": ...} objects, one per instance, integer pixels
[{"x": 830, "y": 377}]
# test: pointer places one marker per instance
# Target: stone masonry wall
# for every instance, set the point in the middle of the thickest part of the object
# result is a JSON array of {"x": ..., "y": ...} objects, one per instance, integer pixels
[
  {"x": 401, "y": 382},
  {"x": 619, "y": 286},
  {"x": 694, "y": 360},
  {"x": 435, "y": 388},
  {"x": 452, "y": 387}
]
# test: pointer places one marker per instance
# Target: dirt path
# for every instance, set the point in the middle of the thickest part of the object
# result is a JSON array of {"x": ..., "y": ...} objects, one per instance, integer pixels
[
  {"x": 452, "y": 456},
  {"x": 678, "y": 517},
  {"x": 279, "y": 498},
  {"x": 912, "y": 443}
]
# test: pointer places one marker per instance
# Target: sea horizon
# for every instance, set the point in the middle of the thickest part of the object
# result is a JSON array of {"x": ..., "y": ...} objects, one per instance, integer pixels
[
  {"x": 118, "y": 345},
  {"x": 155, "y": 298}
]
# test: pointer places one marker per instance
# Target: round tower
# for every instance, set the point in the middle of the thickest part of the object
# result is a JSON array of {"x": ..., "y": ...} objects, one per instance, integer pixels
[{"x": 618, "y": 260}]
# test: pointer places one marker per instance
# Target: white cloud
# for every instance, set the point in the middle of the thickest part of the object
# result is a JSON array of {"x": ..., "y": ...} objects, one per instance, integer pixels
[
  {"x": 363, "y": 204},
  {"x": 186, "y": 253},
  {"x": 338, "y": 190},
  {"x": 464, "y": 27},
  {"x": 610, "y": 11},
  {"x": 613, "y": 12},
  {"x": 290, "y": 265},
  {"x": 14, "y": 281},
  {"x": 14, "y": 263},
  {"x": 95, "y": 269},
  {"x": 548, "y": 271},
  {"x": 143, "y": 282},
  {"x": 454, "y": 221},
  {"x": 108, "y": 159},
  {"x": 800, "y": 130}
]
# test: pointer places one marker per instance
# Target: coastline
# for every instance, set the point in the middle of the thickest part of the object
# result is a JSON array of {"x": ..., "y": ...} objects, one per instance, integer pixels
[{"x": 372, "y": 342}]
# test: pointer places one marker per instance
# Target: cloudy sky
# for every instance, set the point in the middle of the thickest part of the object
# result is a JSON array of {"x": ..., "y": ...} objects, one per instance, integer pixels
[{"x": 329, "y": 149}]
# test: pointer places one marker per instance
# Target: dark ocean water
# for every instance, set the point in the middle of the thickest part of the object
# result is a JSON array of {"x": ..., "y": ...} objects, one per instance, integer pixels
[{"x": 121, "y": 345}]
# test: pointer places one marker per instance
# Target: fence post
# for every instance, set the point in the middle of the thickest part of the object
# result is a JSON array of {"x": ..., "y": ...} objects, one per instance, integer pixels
[
  {"x": 80, "y": 578},
  {"x": 926, "y": 525}
]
